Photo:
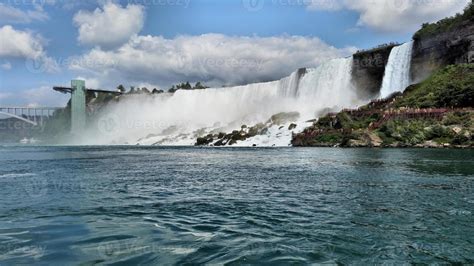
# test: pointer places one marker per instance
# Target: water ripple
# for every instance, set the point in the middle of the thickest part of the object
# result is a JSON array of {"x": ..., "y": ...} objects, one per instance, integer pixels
[{"x": 166, "y": 206}]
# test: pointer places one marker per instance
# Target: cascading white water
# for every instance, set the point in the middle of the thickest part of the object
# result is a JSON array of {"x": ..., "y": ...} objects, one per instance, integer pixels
[
  {"x": 397, "y": 71},
  {"x": 329, "y": 85},
  {"x": 180, "y": 118}
]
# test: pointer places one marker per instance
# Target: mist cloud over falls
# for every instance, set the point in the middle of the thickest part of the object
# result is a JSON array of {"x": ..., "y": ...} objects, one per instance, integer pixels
[{"x": 179, "y": 118}]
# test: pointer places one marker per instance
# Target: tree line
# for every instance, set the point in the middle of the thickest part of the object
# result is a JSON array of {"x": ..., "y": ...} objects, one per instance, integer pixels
[{"x": 173, "y": 89}]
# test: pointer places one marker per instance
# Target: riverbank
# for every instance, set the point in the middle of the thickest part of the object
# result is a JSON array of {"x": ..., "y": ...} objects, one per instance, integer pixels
[{"x": 437, "y": 113}]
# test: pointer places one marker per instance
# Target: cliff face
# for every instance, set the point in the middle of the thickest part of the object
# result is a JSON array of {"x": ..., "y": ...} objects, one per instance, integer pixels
[
  {"x": 432, "y": 52},
  {"x": 448, "y": 42},
  {"x": 368, "y": 70}
]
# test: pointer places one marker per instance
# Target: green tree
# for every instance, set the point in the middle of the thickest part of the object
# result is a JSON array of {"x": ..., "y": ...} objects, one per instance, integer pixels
[
  {"x": 199, "y": 86},
  {"x": 188, "y": 86},
  {"x": 121, "y": 88}
]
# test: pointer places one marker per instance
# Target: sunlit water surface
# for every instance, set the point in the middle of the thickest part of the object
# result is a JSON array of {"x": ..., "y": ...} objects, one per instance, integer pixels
[{"x": 162, "y": 206}]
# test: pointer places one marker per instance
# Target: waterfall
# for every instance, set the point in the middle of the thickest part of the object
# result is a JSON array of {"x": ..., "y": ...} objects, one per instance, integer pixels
[
  {"x": 179, "y": 118},
  {"x": 329, "y": 85},
  {"x": 397, "y": 71}
]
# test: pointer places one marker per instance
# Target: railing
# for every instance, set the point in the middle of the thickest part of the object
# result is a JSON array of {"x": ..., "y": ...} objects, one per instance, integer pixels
[{"x": 409, "y": 114}]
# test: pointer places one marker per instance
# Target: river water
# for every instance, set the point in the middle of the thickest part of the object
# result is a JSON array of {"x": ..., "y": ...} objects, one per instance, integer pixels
[{"x": 166, "y": 206}]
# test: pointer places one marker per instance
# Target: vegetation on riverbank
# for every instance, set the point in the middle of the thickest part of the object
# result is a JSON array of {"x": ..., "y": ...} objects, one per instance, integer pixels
[
  {"x": 435, "y": 113},
  {"x": 449, "y": 87}
]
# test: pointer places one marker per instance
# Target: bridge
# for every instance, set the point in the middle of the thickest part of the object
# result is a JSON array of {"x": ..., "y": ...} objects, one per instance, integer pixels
[{"x": 35, "y": 116}]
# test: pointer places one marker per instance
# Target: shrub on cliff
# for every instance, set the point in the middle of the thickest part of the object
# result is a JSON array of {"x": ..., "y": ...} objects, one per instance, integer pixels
[
  {"x": 458, "y": 118},
  {"x": 429, "y": 29},
  {"x": 329, "y": 139},
  {"x": 452, "y": 86},
  {"x": 187, "y": 86}
]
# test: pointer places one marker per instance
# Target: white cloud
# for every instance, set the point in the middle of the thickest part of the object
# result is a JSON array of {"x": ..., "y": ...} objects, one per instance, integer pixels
[
  {"x": 26, "y": 45},
  {"x": 91, "y": 83},
  {"x": 41, "y": 96},
  {"x": 16, "y": 43},
  {"x": 4, "y": 96},
  {"x": 109, "y": 26},
  {"x": 394, "y": 15},
  {"x": 44, "y": 96},
  {"x": 10, "y": 14},
  {"x": 6, "y": 66},
  {"x": 212, "y": 58}
]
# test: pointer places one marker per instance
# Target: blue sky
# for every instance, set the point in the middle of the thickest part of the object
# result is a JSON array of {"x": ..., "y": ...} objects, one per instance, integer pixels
[{"x": 155, "y": 43}]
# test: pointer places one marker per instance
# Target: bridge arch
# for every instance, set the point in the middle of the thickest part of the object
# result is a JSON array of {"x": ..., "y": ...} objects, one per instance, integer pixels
[{"x": 19, "y": 118}]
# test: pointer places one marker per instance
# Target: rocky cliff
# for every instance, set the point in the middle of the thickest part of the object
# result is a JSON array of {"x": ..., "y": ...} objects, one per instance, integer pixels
[
  {"x": 436, "y": 45},
  {"x": 435, "y": 50},
  {"x": 368, "y": 70}
]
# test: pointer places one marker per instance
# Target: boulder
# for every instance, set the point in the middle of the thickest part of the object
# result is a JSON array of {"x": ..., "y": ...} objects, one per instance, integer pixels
[
  {"x": 467, "y": 134},
  {"x": 357, "y": 143},
  {"x": 204, "y": 140},
  {"x": 282, "y": 118},
  {"x": 457, "y": 130},
  {"x": 431, "y": 144},
  {"x": 374, "y": 140}
]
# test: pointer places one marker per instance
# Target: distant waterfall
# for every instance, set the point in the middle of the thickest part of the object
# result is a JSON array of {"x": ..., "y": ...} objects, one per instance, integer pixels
[
  {"x": 179, "y": 118},
  {"x": 397, "y": 71}
]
